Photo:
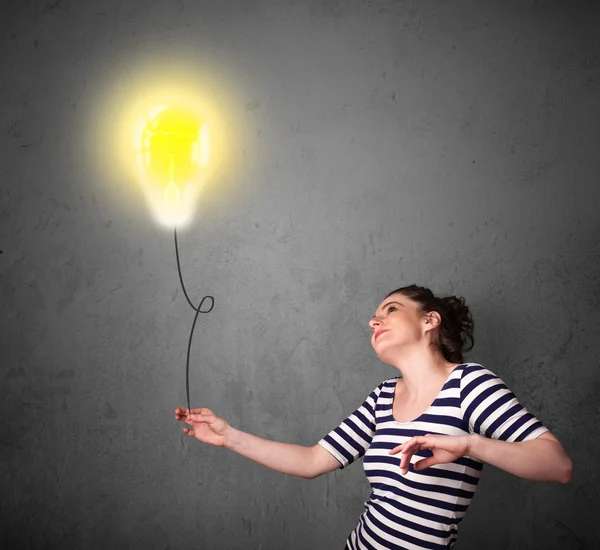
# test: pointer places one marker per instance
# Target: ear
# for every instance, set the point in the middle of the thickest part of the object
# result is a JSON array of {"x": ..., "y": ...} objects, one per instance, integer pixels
[{"x": 433, "y": 320}]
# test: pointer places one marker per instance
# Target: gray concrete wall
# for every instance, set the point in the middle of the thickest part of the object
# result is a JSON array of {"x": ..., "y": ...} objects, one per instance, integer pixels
[{"x": 377, "y": 144}]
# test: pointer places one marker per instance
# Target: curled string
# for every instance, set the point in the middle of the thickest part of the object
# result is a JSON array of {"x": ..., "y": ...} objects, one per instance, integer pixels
[{"x": 197, "y": 310}]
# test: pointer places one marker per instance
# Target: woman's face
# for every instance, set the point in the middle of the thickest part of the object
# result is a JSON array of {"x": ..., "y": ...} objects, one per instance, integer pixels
[{"x": 396, "y": 324}]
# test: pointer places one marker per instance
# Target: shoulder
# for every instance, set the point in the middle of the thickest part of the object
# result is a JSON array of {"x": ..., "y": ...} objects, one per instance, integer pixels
[
  {"x": 475, "y": 379},
  {"x": 473, "y": 371},
  {"x": 389, "y": 383},
  {"x": 386, "y": 387}
]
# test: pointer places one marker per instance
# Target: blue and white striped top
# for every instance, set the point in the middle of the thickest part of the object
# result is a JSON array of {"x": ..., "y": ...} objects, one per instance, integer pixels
[{"x": 423, "y": 509}]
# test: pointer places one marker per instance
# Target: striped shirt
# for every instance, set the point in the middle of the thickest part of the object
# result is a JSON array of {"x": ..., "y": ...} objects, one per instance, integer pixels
[{"x": 422, "y": 510}]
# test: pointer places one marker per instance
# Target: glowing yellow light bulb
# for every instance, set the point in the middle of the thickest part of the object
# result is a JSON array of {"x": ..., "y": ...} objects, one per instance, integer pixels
[
  {"x": 172, "y": 191},
  {"x": 174, "y": 147}
]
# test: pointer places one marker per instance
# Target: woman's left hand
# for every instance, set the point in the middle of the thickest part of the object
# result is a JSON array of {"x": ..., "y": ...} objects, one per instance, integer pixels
[{"x": 445, "y": 448}]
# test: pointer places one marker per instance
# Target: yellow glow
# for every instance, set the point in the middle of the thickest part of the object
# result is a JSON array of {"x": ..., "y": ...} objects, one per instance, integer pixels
[
  {"x": 204, "y": 146},
  {"x": 168, "y": 134}
]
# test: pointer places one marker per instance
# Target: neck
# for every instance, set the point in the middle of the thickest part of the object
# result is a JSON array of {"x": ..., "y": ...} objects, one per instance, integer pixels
[{"x": 422, "y": 371}]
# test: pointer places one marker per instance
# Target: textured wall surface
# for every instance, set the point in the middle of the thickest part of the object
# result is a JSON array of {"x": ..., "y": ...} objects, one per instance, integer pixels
[{"x": 450, "y": 144}]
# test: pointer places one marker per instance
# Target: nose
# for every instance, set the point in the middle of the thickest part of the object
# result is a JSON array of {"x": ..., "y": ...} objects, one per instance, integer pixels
[{"x": 374, "y": 323}]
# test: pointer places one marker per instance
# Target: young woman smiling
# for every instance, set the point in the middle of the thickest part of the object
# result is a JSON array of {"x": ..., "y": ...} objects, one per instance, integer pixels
[{"x": 424, "y": 435}]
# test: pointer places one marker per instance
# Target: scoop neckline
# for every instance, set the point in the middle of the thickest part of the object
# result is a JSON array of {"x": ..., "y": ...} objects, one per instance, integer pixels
[{"x": 432, "y": 403}]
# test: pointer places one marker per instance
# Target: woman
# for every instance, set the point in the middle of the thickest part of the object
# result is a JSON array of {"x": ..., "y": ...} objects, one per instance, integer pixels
[{"x": 424, "y": 435}]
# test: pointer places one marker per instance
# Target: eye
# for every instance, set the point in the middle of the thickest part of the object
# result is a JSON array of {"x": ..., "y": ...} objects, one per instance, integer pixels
[{"x": 392, "y": 308}]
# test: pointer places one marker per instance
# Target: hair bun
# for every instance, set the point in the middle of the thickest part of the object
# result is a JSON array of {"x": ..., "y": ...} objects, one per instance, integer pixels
[{"x": 459, "y": 311}]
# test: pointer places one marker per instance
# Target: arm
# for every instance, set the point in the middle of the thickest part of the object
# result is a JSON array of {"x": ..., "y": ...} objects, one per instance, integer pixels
[
  {"x": 541, "y": 459},
  {"x": 337, "y": 449},
  {"x": 287, "y": 458}
]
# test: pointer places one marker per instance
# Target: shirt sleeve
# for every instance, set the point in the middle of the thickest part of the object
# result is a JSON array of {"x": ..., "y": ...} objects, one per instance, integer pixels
[
  {"x": 490, "y": 409},
  {"x": 351, "y": 439}
]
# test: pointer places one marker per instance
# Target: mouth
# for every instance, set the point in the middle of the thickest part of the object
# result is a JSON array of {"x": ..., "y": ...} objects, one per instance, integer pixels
[{"x": 379, "y": 333}]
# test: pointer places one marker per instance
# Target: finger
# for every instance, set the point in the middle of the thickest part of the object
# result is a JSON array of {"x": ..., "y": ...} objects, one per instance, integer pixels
[
  {"x": 410, "y": 445},
  {"x": 405, "y": 462},
  {"x": 425, "y": 463},
  {"x": 203, "y": 417},
  {"x": 419, "y": 439},
  {"x": 406, "y": 458},
  {"x": 202, "y": 410},
  {"x": 428, "y": 441},
  {"x": 420, "y": 443},
  {"x": 404, "y": 469},
  {"x": 396, "y": 450}
]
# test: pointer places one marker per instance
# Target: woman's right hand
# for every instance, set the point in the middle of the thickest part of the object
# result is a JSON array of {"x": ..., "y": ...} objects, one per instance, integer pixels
[{"x": 205, "y": 425}]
